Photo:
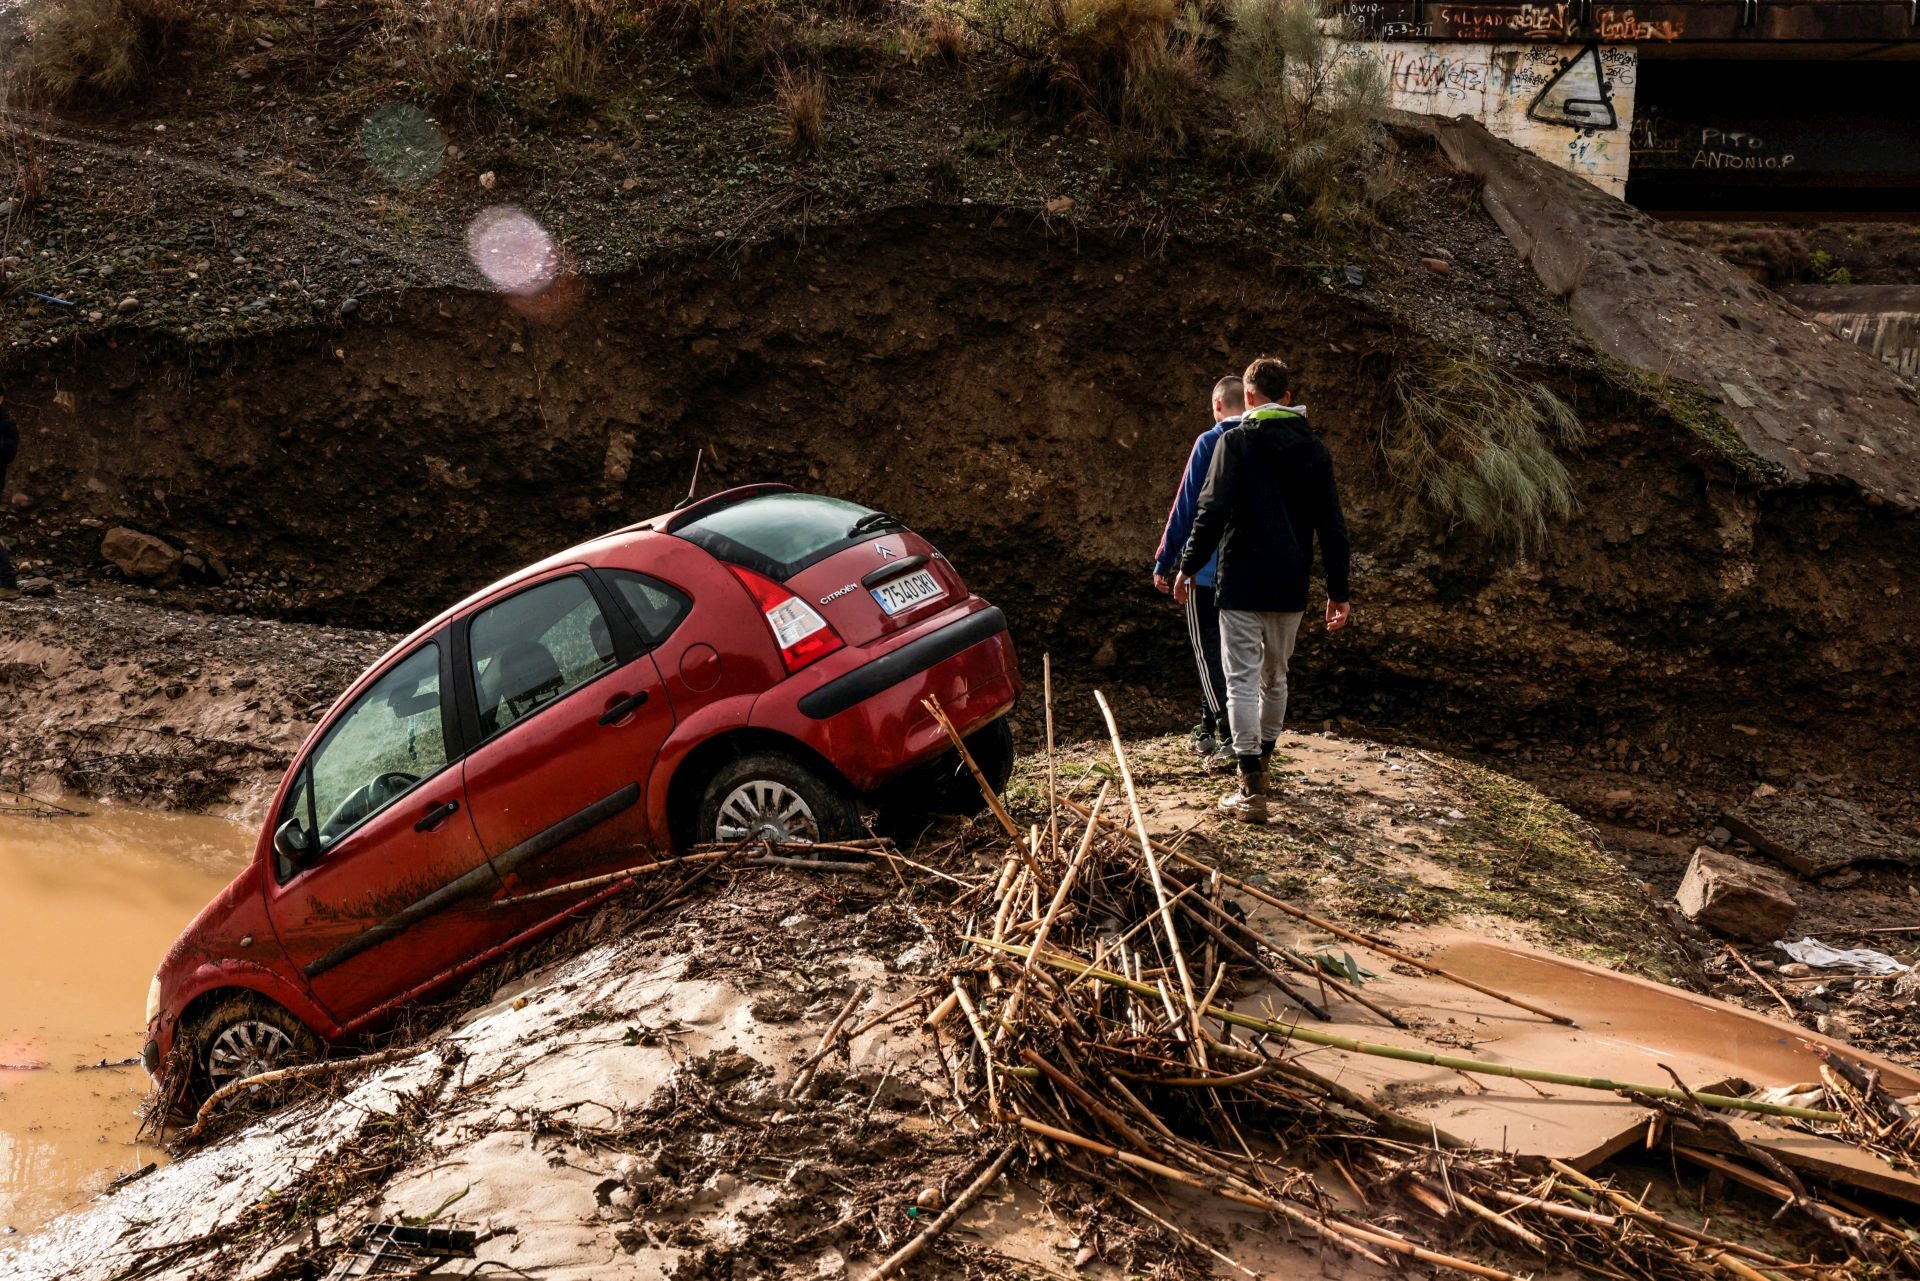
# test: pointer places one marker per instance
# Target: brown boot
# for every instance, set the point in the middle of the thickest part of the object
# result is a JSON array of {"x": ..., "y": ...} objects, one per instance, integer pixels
[{"x": 1249, "y": 802}]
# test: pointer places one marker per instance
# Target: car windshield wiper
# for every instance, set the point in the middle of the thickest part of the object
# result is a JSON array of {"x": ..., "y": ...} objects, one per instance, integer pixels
[{"x": 872, "y": 521}]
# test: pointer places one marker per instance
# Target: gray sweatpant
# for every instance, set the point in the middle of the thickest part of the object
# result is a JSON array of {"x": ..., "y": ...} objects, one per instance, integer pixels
[{"x": 1255, "y": 649}]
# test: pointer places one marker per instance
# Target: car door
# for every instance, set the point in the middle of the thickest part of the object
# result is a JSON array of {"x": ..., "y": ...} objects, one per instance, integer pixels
[
  {"x": 380, "y": 881},
  {"x": 568, "y": 712}
]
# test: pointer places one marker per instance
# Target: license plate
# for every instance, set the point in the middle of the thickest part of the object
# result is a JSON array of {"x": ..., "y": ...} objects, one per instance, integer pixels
[{"x": 906, "y": 592}]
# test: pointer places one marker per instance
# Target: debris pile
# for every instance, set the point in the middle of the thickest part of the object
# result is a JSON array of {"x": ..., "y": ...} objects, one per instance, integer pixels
[{"x": 1092, "y": 1021}]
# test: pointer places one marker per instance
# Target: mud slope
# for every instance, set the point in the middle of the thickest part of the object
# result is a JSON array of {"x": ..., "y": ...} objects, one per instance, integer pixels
[{"x": 1026, "y": 400}]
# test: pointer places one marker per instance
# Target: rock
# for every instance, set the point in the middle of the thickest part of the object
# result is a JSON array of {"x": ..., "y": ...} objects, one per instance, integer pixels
[
  {"x": 929, "y": 1198},
  {"x": 1796, "y": 970},
  {"x": 1731, "y": 896},
  {"x": 1107, "y": 655},
  {"x": 36, "y": 587},
  {"x": 96, "y": 316},
  {"x": 488, "y": 181},
  {"x": 1718, "y": 837},
  {"x": 1438, "y": 266},
  {"x": 1815, "y": 834},
  {"x": 1906, "y": 987},
  {"x": 142, "y": 557},
  {"x": 1835, "y": 1026},
  {"x": 349, "y": 305},
  {"x": 21, "y": 499},
  {"x": 1060, "y": 205},
  {"x": 127, "y": 304}
]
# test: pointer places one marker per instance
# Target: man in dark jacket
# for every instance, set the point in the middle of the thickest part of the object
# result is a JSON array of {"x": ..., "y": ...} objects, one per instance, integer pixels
[
  {"x": 9, "y": 450},
  {"x": 1269, "y": 494}
]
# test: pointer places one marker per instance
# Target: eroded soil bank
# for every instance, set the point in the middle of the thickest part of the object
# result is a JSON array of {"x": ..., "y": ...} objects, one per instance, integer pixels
[{"x": 1026, "y": 399}]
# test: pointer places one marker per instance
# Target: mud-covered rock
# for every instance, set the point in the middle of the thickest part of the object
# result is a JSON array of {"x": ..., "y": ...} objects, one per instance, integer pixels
[
  {"x": 142, "y": 557},
  {"x": 1731, "y": 896},
  {"x": 1814, "y": 834}
]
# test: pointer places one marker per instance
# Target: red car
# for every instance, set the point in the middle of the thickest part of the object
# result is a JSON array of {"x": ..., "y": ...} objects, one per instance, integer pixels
[{"x": 752, "y": 664}]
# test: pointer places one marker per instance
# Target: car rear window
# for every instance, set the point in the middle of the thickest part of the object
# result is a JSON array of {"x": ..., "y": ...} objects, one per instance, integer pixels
[{"x": 781, "y": 534}]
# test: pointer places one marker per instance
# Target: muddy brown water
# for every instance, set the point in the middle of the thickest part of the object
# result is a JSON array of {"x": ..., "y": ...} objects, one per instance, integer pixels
[{"x": 87, "y": 908}]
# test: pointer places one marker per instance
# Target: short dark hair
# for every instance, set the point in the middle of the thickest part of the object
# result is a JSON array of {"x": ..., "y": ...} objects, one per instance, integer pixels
[
  {"x": 1230, "y": 393},
  {"x": 1270, "y": 377}
]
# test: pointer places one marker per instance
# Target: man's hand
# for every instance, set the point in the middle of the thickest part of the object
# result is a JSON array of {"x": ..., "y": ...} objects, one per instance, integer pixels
[
  {"x": 1161, "y": 583},
  {"x": 1337, "y": 614},
  {"x": 1182, "y": 587}
]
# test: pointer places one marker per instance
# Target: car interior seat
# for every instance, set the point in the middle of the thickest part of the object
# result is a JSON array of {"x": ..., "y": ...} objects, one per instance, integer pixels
[{"x": 522, "y": 677}]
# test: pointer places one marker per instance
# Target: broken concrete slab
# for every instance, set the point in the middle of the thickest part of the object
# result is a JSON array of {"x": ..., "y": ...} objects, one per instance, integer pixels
[
  {"x": 1731, "y": 896},
  {"x": 1813, "y": 834}
]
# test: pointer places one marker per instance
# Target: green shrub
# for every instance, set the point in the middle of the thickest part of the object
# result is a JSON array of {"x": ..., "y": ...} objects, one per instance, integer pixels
[
  {"x": 106, "y": 49},
  {"x": 1307, "y": 106},
  {"x": 1475, "y": 444}
]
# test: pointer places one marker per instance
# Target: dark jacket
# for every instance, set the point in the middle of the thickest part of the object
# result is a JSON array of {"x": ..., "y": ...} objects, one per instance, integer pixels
[
  {"x": 9, "y": 438},
  {"x": 1269, "y": 494}
]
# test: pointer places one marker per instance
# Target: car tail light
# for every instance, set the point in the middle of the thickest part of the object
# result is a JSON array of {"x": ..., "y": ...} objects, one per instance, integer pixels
[{"x": 802, "y": 635}]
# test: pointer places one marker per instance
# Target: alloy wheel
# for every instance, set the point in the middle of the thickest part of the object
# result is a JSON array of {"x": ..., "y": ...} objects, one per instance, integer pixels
[
  {"x": 245, "y": 1049},
  {"x": 762, "y": 809}
]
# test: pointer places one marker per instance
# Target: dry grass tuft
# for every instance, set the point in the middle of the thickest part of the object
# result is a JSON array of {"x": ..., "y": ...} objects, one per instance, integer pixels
[
  {"x": 1475, "y": 444},
  {"x": 802, "y": 98},
  {"x": 946, "y": 35},
  {"x": 103, "y": 49},
  {"x": 1306, "y": 106}
]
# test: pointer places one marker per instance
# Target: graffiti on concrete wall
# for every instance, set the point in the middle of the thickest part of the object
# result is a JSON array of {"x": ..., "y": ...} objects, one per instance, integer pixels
[
  {"x": 1571, "y": 104},
  {"x": 1548, "y": 23}
]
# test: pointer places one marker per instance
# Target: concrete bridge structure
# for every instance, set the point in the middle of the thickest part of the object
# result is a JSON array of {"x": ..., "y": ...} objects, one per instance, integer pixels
[{"x": 1705, "y": 107}]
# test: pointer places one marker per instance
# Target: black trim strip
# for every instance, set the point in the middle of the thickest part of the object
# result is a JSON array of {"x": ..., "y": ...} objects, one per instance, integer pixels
[
  {"x": 911, "y": 659},
  {"x": 472, "y": 882},
  {"x": 894, "y": 570}
]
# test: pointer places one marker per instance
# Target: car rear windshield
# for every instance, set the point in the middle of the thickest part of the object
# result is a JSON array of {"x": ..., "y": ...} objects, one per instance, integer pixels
[{"x": 781, "y": 534}]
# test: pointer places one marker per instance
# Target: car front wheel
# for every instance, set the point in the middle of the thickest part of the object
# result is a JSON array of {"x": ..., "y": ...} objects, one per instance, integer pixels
[
  {"x": 243, "y": 1037},
  {"x": 767, "y": 796}
]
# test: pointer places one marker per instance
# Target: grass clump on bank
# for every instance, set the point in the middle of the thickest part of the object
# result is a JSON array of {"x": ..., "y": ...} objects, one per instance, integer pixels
[
  {"x": 1475, "y": 444},
  {"x": 1524, "y": 856},
  {"x": 101, "y": 49}
]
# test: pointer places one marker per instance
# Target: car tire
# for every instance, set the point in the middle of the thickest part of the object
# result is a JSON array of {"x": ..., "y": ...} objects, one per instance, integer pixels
[
  {"x": 992, "y": 750},
  {"x": 769, "y": 794},
  {"x": 243, "y": 1036}
]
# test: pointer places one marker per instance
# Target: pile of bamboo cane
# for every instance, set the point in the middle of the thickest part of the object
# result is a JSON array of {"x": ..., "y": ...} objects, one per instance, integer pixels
[{"x": 1090, "y": 1021}]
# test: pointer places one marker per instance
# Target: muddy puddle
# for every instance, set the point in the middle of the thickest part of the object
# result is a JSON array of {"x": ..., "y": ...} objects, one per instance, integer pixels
[{"x": 87, "y": 907}]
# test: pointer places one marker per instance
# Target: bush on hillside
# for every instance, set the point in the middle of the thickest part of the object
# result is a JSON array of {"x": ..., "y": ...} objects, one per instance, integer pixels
[
  {"x": 1475, "y": 444},
  {"x": 1308, "y": 103},
  {"x": 102, "y": 49},
  {"x": 1131, "y": 62}
]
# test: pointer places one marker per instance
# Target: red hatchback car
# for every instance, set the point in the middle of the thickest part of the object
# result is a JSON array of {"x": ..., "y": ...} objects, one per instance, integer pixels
[{"x": 752, "y": 664}]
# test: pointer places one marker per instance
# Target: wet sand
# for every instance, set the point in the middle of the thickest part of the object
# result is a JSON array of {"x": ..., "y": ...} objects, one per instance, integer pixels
[{"x": 87, "y": 908}]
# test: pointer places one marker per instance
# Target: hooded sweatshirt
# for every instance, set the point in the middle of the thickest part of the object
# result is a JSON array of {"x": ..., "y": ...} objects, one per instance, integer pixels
[{"x": 1269, "y": 495}]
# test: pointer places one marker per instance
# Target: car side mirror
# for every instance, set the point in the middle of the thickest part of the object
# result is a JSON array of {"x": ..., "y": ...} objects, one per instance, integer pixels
[{"x": 291, "y": 842}]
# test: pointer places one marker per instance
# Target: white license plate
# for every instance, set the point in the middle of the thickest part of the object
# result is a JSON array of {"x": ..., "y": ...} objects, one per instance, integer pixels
[{"x": 905, "y": 593}]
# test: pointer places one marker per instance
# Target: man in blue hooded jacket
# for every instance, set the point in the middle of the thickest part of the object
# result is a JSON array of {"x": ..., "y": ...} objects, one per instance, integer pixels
[{"x": 1203, "y": 619}]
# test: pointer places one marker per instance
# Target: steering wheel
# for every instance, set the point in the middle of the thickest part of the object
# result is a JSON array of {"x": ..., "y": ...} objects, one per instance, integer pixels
[
  {"x": 364, "y": 800},
  {"x": 389, "y": 785}
]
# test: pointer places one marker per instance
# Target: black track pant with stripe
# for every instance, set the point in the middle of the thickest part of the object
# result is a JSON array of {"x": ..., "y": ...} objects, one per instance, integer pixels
[{"x": 1203, "y": 629}]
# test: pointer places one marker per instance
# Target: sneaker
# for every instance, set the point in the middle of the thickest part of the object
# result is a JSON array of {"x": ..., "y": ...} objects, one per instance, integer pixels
[
  {"x": 1202, "y": 742},
  {"x": 1220, "y": 760}
]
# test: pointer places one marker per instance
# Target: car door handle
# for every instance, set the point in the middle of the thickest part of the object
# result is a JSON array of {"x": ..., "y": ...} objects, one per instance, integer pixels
[
  {"x": 436, "y": 816},
  {"x": 622, "y": 706}
]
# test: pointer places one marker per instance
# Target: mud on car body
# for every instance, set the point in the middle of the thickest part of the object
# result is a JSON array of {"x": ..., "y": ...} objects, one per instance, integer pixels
[{"x": 751, "y": 665}]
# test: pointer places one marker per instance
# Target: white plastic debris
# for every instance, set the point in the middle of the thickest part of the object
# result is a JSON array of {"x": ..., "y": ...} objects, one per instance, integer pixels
[{"x": 1811, "y": 951}]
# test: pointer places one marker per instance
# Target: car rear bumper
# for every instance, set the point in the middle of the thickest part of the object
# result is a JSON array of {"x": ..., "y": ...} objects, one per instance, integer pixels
[{"x": 864, "y": 712}]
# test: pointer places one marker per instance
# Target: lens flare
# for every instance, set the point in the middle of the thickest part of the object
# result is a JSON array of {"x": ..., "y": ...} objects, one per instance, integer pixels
[
  {"x": 514, "y": 253},
  {"x": 403, "y": 144}
]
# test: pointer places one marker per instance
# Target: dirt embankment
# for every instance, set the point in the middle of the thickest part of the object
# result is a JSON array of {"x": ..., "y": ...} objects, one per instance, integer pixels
[
  {"x": 109, "y": 696},
  {"x": 1026, "y": 400}
]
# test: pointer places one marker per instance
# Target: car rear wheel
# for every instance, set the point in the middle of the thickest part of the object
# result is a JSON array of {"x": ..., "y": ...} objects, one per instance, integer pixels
[
  {"x": 245, "y": 1036},
  {"x": 767, "y": 796}
]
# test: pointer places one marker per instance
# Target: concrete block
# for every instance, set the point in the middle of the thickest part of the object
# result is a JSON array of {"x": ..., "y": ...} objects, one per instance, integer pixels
[{"x": 1731, "y": 896}]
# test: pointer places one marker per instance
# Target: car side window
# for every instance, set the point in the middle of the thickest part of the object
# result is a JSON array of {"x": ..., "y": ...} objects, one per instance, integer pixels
[
  {"x": 536, "y": 647},
  {"x": 390, "y": 739},
  {"x": 655, "y": 608}
]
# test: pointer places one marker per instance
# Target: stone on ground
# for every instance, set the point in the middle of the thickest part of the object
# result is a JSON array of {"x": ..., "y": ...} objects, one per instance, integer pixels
[
  {"x": 142, "y": 557},
  {"x": 1731, "y": 896}
]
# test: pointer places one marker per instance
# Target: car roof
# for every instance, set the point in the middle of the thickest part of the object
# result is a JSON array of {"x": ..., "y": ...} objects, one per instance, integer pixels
[{"x": 588, "y": 552}]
